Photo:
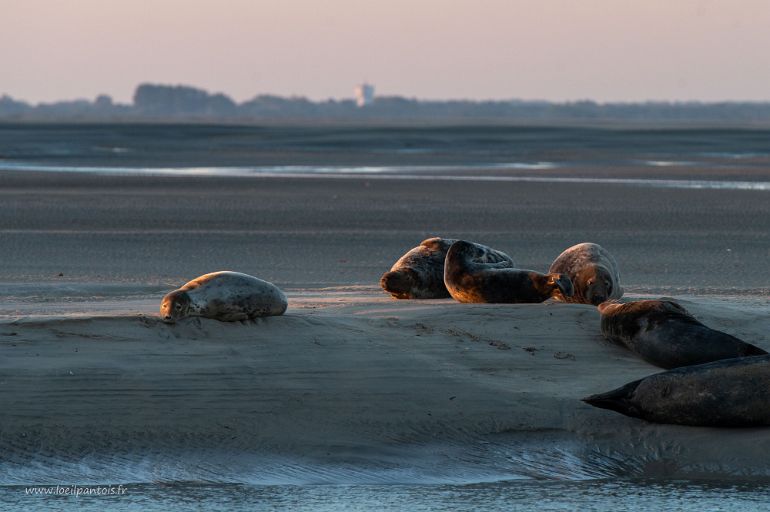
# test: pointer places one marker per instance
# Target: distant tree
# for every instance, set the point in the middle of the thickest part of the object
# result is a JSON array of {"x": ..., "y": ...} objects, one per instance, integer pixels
[
  {"x": 181, "y": 100},
  {"x": 11, "y": 107},
  {"x": 103, "y": 101}
]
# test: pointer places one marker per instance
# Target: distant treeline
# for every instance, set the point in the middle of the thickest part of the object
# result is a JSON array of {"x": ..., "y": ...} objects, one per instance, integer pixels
[{"x": 183, "y": 103}]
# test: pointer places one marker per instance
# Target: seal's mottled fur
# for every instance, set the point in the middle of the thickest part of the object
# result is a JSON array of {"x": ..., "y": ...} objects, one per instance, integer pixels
[{"x": 227, "y": 296}]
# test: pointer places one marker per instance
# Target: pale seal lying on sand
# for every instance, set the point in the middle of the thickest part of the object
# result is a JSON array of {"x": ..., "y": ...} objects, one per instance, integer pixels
[
  {"x": 419, "y": 274},
  {"x": 729, "y": 393},
  {"x": 469, "y": 280},
  {"x": 226, "y": 296},
  {"x": 665, "y": 334},
  {"x": 593, "y": 272}
]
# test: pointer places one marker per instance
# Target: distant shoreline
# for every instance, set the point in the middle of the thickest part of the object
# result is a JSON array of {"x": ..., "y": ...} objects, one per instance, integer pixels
[{"x": 159, "y": 103}]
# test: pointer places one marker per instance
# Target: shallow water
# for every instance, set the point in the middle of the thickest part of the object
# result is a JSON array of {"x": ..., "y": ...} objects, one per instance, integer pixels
[
  {"x": 330, "y": 149},
  {"x": 596, "y": 495},
  {"x": 471, "y": 172}
]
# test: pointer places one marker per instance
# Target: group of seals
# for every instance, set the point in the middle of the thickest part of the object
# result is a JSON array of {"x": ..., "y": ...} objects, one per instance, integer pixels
[
  {"x": 718, "y": 380},
  {"x": 437, "y": 268},
  {"x": 226, "y": 296},
  {"x": 471, "y": 272}
]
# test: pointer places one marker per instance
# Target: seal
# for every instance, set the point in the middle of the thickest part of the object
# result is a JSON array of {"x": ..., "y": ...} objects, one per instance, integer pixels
[
  {"x": 728, "y": 393},
  {"x": 665, "y": 334},
  {"x": 419, "y": 274},
  {"x": 593, "y": 272},
  {"x": 226, "y": 296},
  {"x": 470, "y": 280}
]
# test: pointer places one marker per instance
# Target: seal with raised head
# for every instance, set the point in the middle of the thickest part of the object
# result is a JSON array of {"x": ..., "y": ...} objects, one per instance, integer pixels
[
  {"x": 665, "y": 334},
  {"x": 728, "y": 393},
  {"x": 419, "y": 274},
  {"x": 469, "y": 280},
  {"x": 226, "y": 296},
  {"x": 593, "y": 272}
]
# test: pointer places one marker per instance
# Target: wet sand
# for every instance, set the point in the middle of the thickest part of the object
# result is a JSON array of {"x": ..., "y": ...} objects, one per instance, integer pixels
[{"x": 329, "y": 232}]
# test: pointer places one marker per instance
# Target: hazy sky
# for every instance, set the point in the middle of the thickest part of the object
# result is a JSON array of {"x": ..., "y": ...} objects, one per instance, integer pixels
[{"x": 606, "y": 50}]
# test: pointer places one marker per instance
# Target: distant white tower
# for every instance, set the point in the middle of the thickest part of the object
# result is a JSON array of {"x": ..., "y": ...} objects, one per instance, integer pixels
[{"x": 364, "y": 94}]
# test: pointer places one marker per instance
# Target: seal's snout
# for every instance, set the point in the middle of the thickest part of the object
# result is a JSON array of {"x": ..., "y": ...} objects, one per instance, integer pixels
[
  {"x": 396, "y": 281},
  {"x": 609, "y": 401},
  {"x": 752, "y": 350},
  {"x": 563, "y": 283},
  {"x": 618, "y": 400},
  {"x": 167, "y": 306}
]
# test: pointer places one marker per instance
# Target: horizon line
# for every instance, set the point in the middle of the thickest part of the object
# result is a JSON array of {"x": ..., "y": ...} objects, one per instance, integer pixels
[{"x": 295, "y": 96}]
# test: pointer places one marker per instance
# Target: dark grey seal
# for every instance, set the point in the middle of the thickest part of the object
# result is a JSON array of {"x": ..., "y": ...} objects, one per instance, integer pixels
[
  {"x": 419, "y": 274},
  {"x": 593, "y": 272},
  {"x": 226, "y": 296},
  {"x": 665, "y": 334},
  {"x": 728, "y": 393},
  {"x": 470, "y": 280}
]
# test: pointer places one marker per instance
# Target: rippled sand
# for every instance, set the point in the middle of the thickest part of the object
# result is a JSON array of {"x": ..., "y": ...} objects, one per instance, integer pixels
[{"x": 348, "y": 386}]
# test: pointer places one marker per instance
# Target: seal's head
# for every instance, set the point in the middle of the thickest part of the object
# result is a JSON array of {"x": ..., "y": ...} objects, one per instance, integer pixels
[
  {"x": 399, "y": 283},
  {"x": 468, "y": 250},
  {"x": 622, "y": 399},
  {"x": 174, "y": 306},
  {"x": 594, "y": 283}
]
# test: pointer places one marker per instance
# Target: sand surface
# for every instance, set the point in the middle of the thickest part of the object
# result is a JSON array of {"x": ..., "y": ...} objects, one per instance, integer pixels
[
  {"x": 350, "y": 376},
  {"x": 364, "y": 386}
]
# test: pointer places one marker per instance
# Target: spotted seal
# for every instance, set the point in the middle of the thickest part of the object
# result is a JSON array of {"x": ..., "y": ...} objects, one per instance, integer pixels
[
  {"x": 226, "y": 296},
  {"x": 665, "y": 334},
  {"x": 727, "y": 393},
  {"x": 419, "y": 274},
  {"x": 470, "y": 280},
  {"x": 593, "y": 272}
]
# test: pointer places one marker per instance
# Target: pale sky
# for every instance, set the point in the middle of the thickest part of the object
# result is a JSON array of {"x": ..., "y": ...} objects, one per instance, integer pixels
[{"x": 606, "y": 50}]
